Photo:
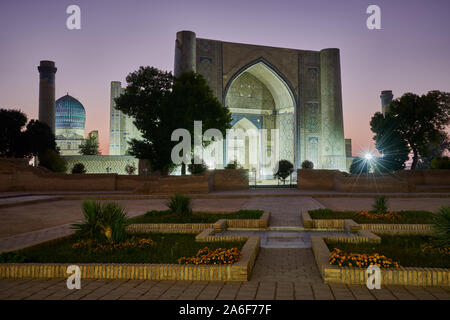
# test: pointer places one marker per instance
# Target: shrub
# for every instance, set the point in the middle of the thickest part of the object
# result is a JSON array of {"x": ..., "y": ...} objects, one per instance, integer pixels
[
  {"x": 285, "y": 168},
  {"x": 199, "y": 168},
  {"x": 130, "y": 168},
  {"x": 440, "y": 163},
  {"x": 102, "y": 221},
  {"x": 380, "y": 205},
  {"x": 15, "y": 257},
  {"x": 307, "y": 164},
  {"x": 180, "y": 205},
  {"x": 233, "y": 165},
  {"x": 79, "y": 168},
  {"x": 51, "y": 160},
  {"x": 441, "y": 226},
  {"x": 359, "y": 165}
]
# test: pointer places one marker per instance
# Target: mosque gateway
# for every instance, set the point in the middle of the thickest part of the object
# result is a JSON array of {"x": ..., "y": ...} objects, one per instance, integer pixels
[{"x": 297, "y": 92}]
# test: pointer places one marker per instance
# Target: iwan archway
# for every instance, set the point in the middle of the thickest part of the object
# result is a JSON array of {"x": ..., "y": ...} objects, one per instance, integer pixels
[{"x": 259, "y": 98}]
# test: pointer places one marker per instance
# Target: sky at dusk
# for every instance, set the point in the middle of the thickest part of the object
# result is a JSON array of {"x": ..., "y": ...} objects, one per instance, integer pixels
[{"x": 411, "y": 53}]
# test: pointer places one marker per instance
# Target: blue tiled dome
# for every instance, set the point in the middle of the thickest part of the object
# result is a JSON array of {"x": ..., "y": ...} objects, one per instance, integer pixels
[{"x": 69, "y": 113}]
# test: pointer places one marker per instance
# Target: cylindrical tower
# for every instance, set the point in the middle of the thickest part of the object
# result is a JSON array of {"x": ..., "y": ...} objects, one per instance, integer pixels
[
  {"x": 47, "y": 71},
  {"x": 386, "y": 98},
  {"x": 185, "y": 52},
  {"x": 333, "y": 143}
]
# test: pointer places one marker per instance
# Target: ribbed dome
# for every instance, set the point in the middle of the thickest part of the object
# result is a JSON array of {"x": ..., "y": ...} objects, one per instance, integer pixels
[{"x": 69, "y": 113}]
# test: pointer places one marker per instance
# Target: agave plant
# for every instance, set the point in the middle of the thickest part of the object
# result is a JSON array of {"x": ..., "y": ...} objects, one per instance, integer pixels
[
  {"x": 441, "y": 226},
  {"x": 102, "y": 221},
  {"x": 179, "y": 204},
  {"x": 380, "y": 205}
]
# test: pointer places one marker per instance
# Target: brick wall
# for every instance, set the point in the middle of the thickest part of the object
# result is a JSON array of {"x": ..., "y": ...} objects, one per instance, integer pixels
[
  {"x": 17, "y": 175},
  {"x": 402, "y": 181}
]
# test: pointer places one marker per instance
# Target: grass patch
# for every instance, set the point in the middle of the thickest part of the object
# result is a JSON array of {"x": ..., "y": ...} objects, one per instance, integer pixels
[
  {"x": 168, "y": 248},
  {"x": 405, "y": 217},
  {"x": 167, "y": 216},
  {"x": 407, "y": 250}
]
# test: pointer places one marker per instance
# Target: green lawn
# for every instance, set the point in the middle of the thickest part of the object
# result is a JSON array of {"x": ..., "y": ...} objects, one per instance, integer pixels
[
  {"x": 169, "y": 247},
  {"x": 406, "y": 217},
  {"x": 167, "y": 216},
  {"x": 405, "y": 249}
]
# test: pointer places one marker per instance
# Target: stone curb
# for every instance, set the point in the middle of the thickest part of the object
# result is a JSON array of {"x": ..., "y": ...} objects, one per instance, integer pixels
[
  {"x": 391, "y": 276},
  {"x": 219, "y": 226},
  {"x": 239, "y": 271},
  {"x": 352, "y": 226}
]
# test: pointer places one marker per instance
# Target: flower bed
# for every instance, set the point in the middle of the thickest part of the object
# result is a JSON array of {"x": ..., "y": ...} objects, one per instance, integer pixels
[
  {"x": 208, "y": 256},
  {"x": 138, "y": 248},
  {"x": 404, "y": 250},
  {"x": 400, "y": 217},
  {"x": 367, "y": 243},
  {"x": 342, "y": 259},
  {"x": 167, "y": 216}
]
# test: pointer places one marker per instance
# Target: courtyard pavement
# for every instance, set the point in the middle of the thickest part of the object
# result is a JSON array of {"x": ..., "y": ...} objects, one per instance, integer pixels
[{"x": 279, "y": 273}]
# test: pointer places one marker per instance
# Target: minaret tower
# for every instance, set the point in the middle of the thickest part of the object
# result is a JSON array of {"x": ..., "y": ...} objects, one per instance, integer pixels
[{"x": 47, "y": 71}]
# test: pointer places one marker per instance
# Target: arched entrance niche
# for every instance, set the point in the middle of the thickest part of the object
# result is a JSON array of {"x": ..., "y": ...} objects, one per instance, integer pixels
[{"x": 259, "y": 94}]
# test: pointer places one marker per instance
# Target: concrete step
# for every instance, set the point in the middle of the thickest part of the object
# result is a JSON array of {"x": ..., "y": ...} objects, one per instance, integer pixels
[{"x": 286, "y": 228}]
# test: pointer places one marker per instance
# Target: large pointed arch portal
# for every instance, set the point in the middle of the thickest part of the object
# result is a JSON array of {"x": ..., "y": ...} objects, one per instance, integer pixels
[{"x": 260, "y": 94}]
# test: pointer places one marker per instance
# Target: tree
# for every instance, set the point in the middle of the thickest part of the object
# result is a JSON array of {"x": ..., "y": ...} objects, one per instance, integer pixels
[
  {"x": 420, "y": 120},
  {"x": 161, "y": 104},
  {"x": 389, "y": 142},
  {"x": 193, "y": 100},
  {"x": 16, "y": 142},
  {"x": 285, "y": 168},
  {"x": 130, "y": 168},
  {"x": 307, "y": 164},
  {"x": 51, "y": 160},
  {"x": 440, "y": 163},
  {"x": 359, "y": 165},
  {"x": 145, "y": 99},
  {"x": 12, "y": 140},
  {"x": 89, "y": 147},
  {"x": 435, "y": 151},
  {"x": 39, "y": 138},
  {"x": 197, "y": 168},
  {"x": 79, "y": 168}
]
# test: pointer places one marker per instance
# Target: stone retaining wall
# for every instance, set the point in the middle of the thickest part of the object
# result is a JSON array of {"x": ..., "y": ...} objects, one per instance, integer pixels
[
  {"x": 239, "y": 271},
  {"x": 351, "y": 226},
  {"x": 17, "y": 175},
  {"x": 219, "y": 226},
  {"x": 401, "y": 181},
  {"x": 390, "y": 276}
]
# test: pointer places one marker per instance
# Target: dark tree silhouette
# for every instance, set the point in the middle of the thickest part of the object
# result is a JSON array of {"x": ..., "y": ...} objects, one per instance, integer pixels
[
  {"x": 160, "y": 104},
  {"x": 420, "y": 120},
  {"x": 12, "y": 140},
  {"x": 89, "y": 146}
]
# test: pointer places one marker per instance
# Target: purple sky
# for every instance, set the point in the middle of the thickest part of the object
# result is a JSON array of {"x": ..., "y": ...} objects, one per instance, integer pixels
[{"x": 410, "y": 54}]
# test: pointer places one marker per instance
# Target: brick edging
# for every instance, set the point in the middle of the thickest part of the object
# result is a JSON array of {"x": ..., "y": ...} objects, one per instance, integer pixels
[
  {"x": 168, "y": 227},
  {"x": 391, "y": 276},
  {"x": 352, "y": 226},
  {"x": 239, "y": 271},
  {"x": 219, "y": 226}
]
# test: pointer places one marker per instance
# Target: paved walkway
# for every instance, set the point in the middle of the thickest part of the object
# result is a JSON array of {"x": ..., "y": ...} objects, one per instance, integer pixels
[
  {"x": 284, "y": 211},
  {"x": 23, "y": 226}
]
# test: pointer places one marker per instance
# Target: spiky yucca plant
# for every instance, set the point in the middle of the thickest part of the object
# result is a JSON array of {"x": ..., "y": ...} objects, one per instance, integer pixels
[
  {"x": 102, "y": 221},
  {"x": 180, "y": 204},
  {"x": 441, "y": 226},
  {"x": 380, "y": 205}
]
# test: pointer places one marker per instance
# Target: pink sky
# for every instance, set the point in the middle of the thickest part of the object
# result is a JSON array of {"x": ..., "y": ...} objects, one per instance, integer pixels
[{"x": 409, "y": 54}]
